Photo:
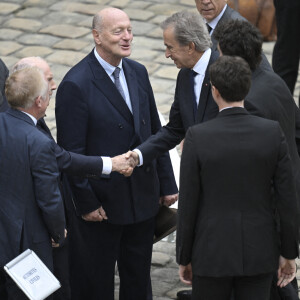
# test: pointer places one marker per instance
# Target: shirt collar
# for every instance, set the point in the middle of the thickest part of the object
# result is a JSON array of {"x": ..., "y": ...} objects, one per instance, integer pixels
[
  {"x": 30, "y": 116},
  {"x": 213, "y": 23},
  {"x": 109, "y": 69},
  {"x": 201, "y": 66},
  {"x": 228, "y": 107}
]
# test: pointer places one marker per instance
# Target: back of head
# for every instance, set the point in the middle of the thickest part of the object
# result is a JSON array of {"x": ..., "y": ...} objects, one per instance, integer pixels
[
  {"x": 240, "y": 38},
  {"x": 189, "y": 27},
  {"x": 23, "y": 86},
  {"x": 231, "y": 76}
]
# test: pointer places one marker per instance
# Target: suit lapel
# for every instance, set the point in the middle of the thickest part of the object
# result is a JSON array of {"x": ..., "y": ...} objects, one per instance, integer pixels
[
  {"x": 107, "y": 87},
  {"x": 132, "y": 84}
]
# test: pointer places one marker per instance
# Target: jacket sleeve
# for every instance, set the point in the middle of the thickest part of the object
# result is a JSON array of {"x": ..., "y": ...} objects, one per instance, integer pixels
[
  {"x": 166, "y": 177},
  {"x": 188, "y": 201},
  {"x": 167, "y": 137},
  {"x": 286, "y": 200}
]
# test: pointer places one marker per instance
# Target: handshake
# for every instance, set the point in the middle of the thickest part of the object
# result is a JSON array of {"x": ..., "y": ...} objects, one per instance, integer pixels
[{"x": 125, "y": 163}]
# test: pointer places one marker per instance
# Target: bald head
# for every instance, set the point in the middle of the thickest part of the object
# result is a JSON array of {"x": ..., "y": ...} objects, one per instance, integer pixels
[
  {"x": 112, "y": 34},
  {"x": 106, "y": 16},
  {"x": 40, "y": 63}
]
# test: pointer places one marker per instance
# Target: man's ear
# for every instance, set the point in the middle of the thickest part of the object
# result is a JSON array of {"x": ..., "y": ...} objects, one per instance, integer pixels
[
  {"x": 96, "y": 36},
  {"x": 192, "y": 47},
  {"x": 38, "y": 101}
]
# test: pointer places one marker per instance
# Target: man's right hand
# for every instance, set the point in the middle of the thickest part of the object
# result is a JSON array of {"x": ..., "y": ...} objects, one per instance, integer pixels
[
  {"x": 286, "y": 271},
  {"x": 97, "y": 215}
]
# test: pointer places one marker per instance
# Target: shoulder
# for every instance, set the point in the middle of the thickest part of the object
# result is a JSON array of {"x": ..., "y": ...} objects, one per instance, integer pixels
[
  {"x": 231, "y": 14},
  {"x": 79, "y": 71}
]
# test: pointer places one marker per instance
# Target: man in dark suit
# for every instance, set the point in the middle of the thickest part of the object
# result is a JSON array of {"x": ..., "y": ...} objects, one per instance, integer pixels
[
  {"x": 216, "y": 13},
  {"x": 3, "y": 75},
  {"x": 286, "y": 52},
  {"x": 105, "y": 104},
  {"x": 268, "y": 97},
  {"x": 229, "y": 167},
  {"x": 188, "y": 44},
  {"x": 69, "y": 163},
  {"x": 31, "y": 206}
]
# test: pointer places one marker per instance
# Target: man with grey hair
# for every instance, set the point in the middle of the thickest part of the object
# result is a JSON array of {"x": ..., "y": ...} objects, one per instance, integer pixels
[
  {"x": 31, "y": 210},
  {"x": 74, "y": 164},
  {"x": 188, "y": 44}
]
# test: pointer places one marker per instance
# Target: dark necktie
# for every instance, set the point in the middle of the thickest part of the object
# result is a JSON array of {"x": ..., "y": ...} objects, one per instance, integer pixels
[
  {"x": 208, "y": 28},
  {"x": 116, "y": 75},
  {"x": 193, "y": 74}
]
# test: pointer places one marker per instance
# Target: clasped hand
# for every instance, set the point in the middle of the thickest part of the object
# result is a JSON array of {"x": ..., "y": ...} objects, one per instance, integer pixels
[{"x": 125, "y": 163}]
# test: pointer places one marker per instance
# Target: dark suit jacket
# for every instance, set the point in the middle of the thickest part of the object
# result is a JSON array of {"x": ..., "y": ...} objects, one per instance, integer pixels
[
  {"x": 181, "y": 114},
  {"x": 270, "y": 98},
  {"x": 93, "y": 119},
  {"x": 231, "y": 14},
  {"x": 226, "y": 225},
  {"x": 3, "y": 75},
  {"x": 31, "y": 209}
]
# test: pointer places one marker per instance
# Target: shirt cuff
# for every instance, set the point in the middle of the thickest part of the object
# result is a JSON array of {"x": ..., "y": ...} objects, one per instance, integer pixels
[
  {"x": 140, "y": 157},
  {"x": 107, "y": 165}
]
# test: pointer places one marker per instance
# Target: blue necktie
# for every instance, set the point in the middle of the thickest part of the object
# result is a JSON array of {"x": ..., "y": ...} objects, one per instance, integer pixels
[{"x": 116, "y": 75}]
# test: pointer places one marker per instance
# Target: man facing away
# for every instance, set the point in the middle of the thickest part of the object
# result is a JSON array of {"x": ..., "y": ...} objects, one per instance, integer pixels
[
  {"x": 70, "y": 163},
  {"x": 105, "y": 104},
  {"x": 31, "y": 210},
  {"x": 227, "y": 189}
]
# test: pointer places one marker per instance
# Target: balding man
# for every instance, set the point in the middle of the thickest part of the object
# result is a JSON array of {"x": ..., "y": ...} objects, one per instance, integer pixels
[
  {"x": 105, "y": 104},
  {"x": 31, "y": 206}
]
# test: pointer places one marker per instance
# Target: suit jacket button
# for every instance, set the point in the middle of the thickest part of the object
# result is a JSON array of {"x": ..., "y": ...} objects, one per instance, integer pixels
[
  {"x": 120, "y": 126},
  {"x": 144, "y": 122},
  {"x": 148, "y": 169}
]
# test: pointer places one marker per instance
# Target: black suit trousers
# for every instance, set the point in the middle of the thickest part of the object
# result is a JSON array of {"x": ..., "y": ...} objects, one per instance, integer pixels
[
  {"x": 220, "y": 288},
  {"x": 102, "y": 245}
]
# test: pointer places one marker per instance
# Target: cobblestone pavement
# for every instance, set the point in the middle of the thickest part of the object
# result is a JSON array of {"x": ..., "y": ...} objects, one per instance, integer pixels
[{"x": 60, "y": 32}]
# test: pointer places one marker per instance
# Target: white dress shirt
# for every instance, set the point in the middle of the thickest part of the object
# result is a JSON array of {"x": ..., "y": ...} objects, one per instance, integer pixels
[{"x": 213, "y": 23}]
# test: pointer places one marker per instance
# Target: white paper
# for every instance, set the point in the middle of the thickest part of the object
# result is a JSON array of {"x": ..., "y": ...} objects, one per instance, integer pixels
[{"x": 32, "y": 276}]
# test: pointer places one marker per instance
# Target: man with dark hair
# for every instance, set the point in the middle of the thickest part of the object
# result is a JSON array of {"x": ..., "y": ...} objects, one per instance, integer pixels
[
  {"x": 269, "y": 97},
  {"x": 228, "y": 165}
]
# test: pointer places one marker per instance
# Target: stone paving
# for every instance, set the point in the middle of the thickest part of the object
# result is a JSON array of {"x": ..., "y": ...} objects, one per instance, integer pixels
[{"x": 60, "y": 32}]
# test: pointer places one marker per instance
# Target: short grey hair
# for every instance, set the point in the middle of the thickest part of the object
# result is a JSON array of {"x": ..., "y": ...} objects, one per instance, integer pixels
[
  {"x": 189, "y": 27},
  {"x": 23, "y": 86},
  {"x": 97, "y": 22}
]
